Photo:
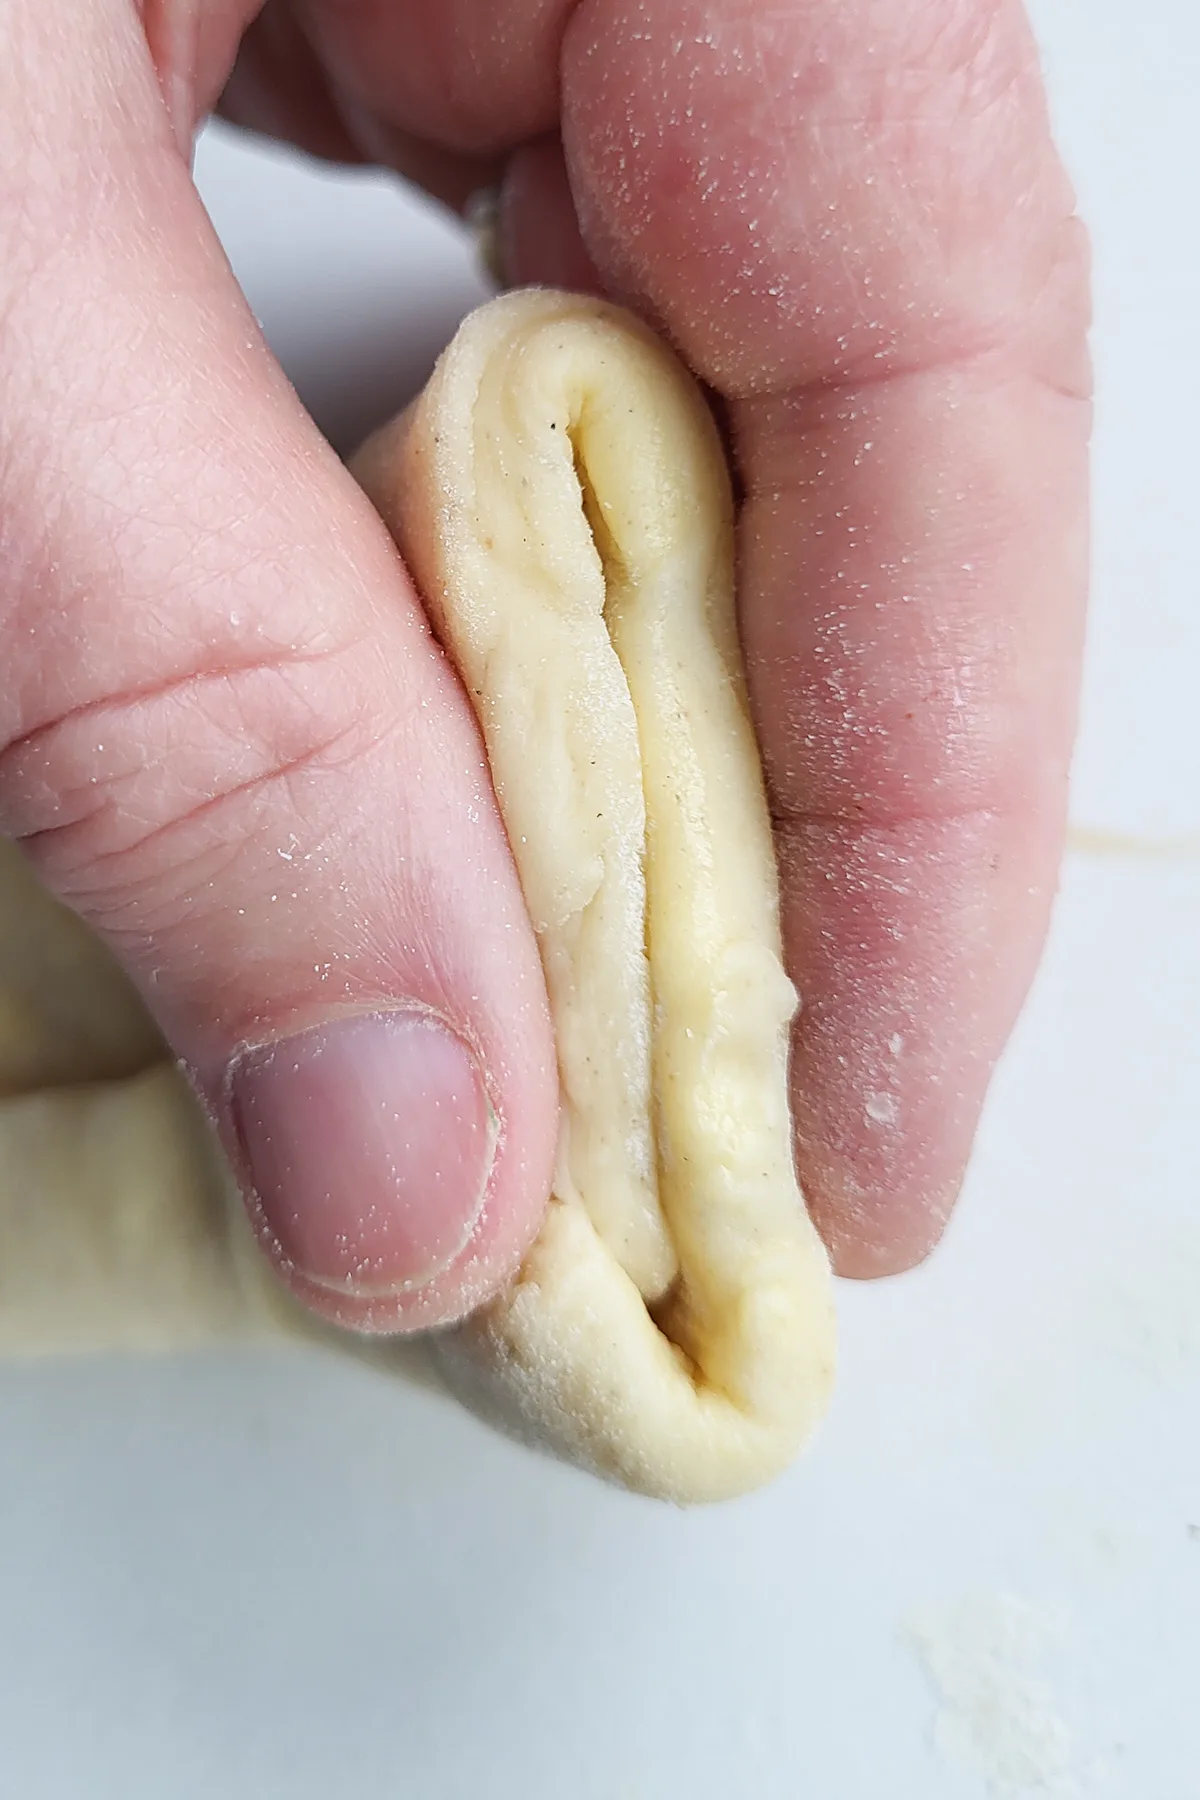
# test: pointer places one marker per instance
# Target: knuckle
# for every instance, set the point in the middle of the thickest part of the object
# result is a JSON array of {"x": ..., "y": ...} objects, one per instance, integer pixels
[{"x": 130, "y": 805}]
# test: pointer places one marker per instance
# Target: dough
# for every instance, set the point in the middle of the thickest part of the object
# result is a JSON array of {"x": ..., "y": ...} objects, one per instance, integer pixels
[
  {"x": 560, "y": 495},
  {"x": 119, "y": 1228},
  {"x": 562, "y": 499}
]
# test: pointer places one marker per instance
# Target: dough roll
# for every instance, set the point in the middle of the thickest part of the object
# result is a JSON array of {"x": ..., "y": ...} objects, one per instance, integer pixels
[
  {"x": 560, "y": 495},
  {"x": 119, "y": 1225}
]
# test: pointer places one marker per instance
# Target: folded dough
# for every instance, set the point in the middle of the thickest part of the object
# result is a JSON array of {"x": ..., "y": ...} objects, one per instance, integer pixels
[{"x": 560, "y": 495}]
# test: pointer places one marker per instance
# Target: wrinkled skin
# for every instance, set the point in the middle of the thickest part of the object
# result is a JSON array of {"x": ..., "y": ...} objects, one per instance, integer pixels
[{"x": 850, "y": 217}]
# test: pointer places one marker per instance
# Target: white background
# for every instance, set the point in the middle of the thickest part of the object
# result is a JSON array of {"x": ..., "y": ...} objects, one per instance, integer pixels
[{"x": 249, "y": 1577}]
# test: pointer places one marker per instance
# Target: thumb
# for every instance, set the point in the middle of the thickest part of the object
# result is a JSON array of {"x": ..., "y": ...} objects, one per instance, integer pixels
[{"x": 227, "y": 738}]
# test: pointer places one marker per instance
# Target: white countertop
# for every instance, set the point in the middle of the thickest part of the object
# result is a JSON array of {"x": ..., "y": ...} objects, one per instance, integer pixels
[{"x": 276, "y": 1576}]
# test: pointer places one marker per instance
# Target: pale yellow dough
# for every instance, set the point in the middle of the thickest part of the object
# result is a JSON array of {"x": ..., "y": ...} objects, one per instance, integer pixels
[
  {"x": 116, "y": 1224},
  {"x": 562, "y": 499}
]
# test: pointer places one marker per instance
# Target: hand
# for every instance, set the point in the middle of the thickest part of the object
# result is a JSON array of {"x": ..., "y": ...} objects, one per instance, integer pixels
[{"x": 233, "y": 747}]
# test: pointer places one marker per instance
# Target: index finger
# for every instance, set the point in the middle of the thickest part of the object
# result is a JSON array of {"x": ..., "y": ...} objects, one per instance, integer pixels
[{"x": 851, "y": 216}]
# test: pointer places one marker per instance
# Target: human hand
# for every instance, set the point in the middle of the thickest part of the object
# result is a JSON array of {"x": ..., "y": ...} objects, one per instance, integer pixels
[{"x": 232, "y": 745}]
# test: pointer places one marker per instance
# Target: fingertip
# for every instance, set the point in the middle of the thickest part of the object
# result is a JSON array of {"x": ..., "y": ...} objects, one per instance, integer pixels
[{"x": 872, "y": 1233}]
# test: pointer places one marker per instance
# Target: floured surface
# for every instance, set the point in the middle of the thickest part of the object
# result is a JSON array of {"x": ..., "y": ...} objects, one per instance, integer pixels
[{"x": 997, "y": 1716}]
